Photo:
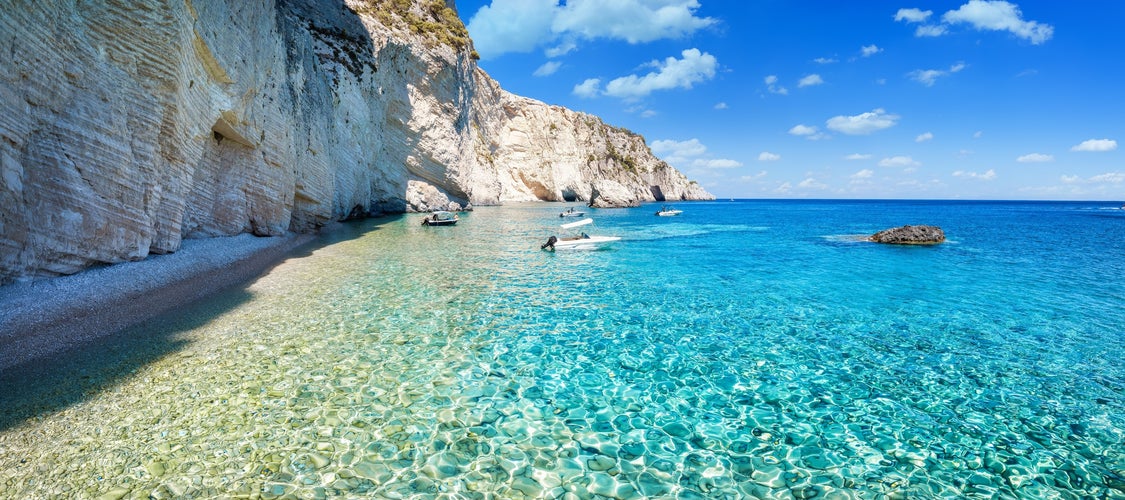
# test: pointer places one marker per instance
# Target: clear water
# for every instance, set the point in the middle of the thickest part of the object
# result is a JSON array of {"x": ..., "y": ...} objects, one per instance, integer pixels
[{"x": 743, "y": 349}]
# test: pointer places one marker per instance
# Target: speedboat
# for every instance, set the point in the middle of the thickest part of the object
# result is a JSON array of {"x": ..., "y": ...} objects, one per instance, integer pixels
[
  {"x": 667, "y": 211},
  {"x": 441, "y": 218},
  {"x": 571, "y": 212},
  {"x": 579, "y": 241}
]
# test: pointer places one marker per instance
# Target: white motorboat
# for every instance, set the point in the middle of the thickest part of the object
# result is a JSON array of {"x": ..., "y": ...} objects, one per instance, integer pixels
[
  {"x": 580, "y": 241},
  {"x": 571, "y": 212},
  {"x": 441, "y": 218},
  {"x": 667, "y": 211}
]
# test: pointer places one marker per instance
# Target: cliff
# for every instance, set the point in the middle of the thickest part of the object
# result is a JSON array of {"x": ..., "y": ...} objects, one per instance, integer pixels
[{"x": 127, "y": 126}]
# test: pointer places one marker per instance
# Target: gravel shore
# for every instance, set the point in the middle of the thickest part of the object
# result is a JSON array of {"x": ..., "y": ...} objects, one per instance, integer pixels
[{"x": 39, "y": 319}]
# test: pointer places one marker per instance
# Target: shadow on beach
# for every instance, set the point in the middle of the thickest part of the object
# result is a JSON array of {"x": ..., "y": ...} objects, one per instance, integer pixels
[{"x": 45, "y": 383}]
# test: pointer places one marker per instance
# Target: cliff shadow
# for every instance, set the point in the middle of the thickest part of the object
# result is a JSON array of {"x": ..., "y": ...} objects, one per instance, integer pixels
[{"x": 44, "y": 383}]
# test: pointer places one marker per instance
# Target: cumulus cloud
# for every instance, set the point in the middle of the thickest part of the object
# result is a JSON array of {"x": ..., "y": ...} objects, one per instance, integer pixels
[
  {"x": 930, "y": 30},
  {"x": 857, "y": 156},
  {"x": 913, "y": 15},
  {"x": 768, "y": 156},
  {"x": 671, "y": 73},
  {"x": 899, "y": 161},
  {"x": 721, "y": 105},
  {"x": 548, "y": 68},
  {"x": 999, "y": 15},
  {"x": 1035, "y": 158},
  {"x": 825, "y": 60},
  {"x": 863, "y": 123},
  {"x": 863, "y": 174},
  {"x": 927, "y": 77},
  {"x": 924, "y": 137},
  {"x": 588, "y": 88},
  {"x": 986, "y": 176},
  {"x": 525, "y": 25},
  {"x": 689, "y": 154},
  {"x": 810, "y": 80},
  {"x": 869, "y": 50},
  {"x": 808, "y": 132},
  {"x": 982, "y": 15},
  {"x": 773, "y": 87},
  {"x": 811, "y": 183},
  {"x": 1096, "y": 145},
  {"x": 1108, "y": 178}
]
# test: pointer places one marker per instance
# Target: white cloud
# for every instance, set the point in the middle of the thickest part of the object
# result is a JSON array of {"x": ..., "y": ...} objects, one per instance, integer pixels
[
  {"x": 924, "y": 137},
  {"x": 1108, "y": 178},
  {"x": 721, "y": 105},
  {"x": 716, "y": 163},
  {"x": 1035, "y": 158},
  {"x": 929, "y": 76},
  {"x": 863, "y": 174},
  {"x": 548, "y": 68},
  {"x": 863, "y": 123},
  {"x": 773, "y": 87},
  {"x": 912, "y": 15},
  {"x": 810, "y": 133},
  {"x": 993, "y": 15},
  {"x": 810, "y": 80},
  {"x": 857, "y": 156},
  {"x": 899, "y": 161},
  {"x": 825, "y": 60},
  {"x": 561, "y": 49},
  {"x": 987, "y": 176},
  {"x": 978, "y": 134},
  {"x": 689, "y": 153},
  {"x": 588, "y": 88},
  {"x": 648, "y": 113},
  {"x": 930, "y": 30},
  {"x": 754, "y": 177},
  {"x": 811, "y": 183},
  {"x": 1096, "y": 145},
  {"x": 999, "y": 15},
  {"x": 802, "y": 130},
  {"x": 869, "y": 50},
  {"x": 525, "y": 25},
  {"x": 678, "y": 149},
  {"x": 671, "y": 73},
  {"x": 768, "y": 156}
]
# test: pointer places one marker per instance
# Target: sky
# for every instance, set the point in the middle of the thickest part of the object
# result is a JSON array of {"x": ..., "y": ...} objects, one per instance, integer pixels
[{"x": 905, "y": 99}]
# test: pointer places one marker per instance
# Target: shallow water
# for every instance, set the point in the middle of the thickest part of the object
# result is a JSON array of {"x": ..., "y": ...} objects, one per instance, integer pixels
[{"x": 743, "y": 349}]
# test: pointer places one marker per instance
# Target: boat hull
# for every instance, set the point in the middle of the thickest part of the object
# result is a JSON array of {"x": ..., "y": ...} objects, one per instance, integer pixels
[{"x": 590, "y": 243}]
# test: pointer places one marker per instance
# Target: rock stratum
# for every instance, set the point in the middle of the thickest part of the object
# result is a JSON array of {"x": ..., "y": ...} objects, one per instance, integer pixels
[{"x": 128, "y": 126}]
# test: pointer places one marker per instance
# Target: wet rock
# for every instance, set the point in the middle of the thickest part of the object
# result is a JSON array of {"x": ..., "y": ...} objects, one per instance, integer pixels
[{"x": 910, "y": 235}]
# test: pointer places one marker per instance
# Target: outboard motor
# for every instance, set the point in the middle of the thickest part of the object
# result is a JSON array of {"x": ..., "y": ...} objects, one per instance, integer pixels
[{"x": 549, "y": 244}]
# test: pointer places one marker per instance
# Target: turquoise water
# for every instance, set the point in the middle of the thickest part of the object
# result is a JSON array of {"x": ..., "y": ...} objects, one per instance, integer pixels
[{"x": 752, "y": 349}]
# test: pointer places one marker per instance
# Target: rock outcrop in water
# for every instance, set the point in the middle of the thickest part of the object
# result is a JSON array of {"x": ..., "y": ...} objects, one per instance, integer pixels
[
  {"x": 910, "y": 235},
  {"x": 128, "y": 126}
]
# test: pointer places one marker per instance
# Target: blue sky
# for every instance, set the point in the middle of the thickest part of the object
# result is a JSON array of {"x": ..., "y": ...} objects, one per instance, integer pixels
[{"x": 965, "y": 99}]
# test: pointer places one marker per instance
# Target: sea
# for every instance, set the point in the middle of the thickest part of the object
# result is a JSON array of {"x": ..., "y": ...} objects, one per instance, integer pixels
[{"x": 743, "y": 349}]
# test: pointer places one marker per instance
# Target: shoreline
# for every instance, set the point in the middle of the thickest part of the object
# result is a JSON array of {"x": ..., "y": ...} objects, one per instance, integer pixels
[{"x": 44, "y": 318}]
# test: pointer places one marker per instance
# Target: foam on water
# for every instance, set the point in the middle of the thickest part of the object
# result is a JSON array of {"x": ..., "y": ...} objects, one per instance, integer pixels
[{"x": 737, "y": 351}]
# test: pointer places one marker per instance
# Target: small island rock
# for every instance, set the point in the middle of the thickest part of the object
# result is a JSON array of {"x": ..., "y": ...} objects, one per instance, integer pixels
[{"x": 910, "y": 235}]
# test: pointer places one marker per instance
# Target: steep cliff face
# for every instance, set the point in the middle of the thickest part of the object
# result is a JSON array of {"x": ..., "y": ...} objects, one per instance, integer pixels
[{"x": 126, "y": 126}]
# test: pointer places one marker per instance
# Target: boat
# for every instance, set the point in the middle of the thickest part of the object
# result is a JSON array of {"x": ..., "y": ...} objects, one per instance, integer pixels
[
  {"x": 667, "y": 211},
  {"x": 571, "y": 212},
  {"x": 580, "y": 241},
  {"x": 441, "y": 218}
]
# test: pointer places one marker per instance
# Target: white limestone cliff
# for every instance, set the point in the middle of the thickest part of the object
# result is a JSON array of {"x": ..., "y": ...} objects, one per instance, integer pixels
[{"x": 127, "y": 126}]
